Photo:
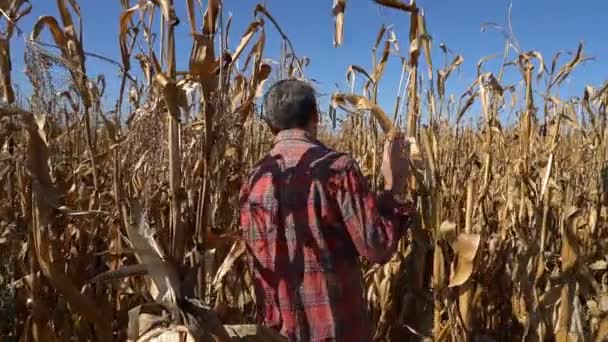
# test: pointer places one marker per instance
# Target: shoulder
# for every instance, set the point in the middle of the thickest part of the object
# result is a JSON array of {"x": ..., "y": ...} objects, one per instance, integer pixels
[
  {"x": 337, "y": 167},
  {"x": 344, "y": 163},
  {"x": 261, "y": 170}
]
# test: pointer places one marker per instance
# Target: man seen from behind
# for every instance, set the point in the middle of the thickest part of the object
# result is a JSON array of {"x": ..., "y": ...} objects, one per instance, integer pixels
[{"x": 307, "y": 215}]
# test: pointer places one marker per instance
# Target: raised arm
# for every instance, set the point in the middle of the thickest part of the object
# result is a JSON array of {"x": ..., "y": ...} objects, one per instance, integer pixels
[{"x": 375, "y": 223}]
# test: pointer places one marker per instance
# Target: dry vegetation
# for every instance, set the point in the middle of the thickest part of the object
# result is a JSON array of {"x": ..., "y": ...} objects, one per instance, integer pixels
[{"x": 122, "y": 225}]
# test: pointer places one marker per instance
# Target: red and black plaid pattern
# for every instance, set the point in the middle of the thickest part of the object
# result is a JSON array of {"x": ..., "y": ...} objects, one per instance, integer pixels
[{"x": 307, "y": 214}]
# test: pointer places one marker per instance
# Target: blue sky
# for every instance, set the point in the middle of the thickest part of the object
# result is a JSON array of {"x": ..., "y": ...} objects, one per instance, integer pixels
[{"x": 544, "y": 25}]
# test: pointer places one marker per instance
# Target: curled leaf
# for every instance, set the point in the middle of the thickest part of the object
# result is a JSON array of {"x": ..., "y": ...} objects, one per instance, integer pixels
[
  {"x": 361, "y": 103},
  {"x": 444, "y": 74},
  {"x": 566, "y": 70},
  {"x": 53, "y": 26},
  {"x": 465, "y": 247},
  {"x": 352, "y": 70}
]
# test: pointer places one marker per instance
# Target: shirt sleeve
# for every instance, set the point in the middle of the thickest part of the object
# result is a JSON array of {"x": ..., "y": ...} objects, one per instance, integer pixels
[{"x": 374, "y": 223}]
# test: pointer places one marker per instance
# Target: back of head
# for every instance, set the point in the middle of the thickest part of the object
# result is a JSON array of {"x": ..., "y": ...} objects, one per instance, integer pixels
[{"x": 290, "y": 104}]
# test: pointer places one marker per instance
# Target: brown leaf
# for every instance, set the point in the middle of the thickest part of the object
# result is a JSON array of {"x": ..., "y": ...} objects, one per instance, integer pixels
[
  {"x": 566, "y": 70},
  {"x": 149, "y": 254},
  {"x": 123, "y": 272},
  {"x": 425, "y": 39},
  {"x": 361, "y": 103},
  {"x": 125, "y": 18},
  {"x": 379, "y": 69},
  {"x": 42, "y": 220},
  {"x": 12, "y": 6},
  {"x": 338, "y": 12},
  {"x": 379, "y": 36},
  {"x": 66, "y": 17},
  {"x": 350, "y": 74},
  {"x": 539, "y": 57},
  {"x": 570, "y": 244},
  {"x": 53, "y": 26},
  {"x": 167, "y": 9},
  {"x": 465, "y": 247},
  {"x": 444, "y": 74},
  {"x": 191, "y": 16},
  {"x": 600, "y": 265},
  {"x": 245, "y": 39},
  {"x": 602, "y": 332},
  {"x": 237, "y": 249},
  {"x": 396, "y": 4},
  {"x": 202, "y": 58},
  {"x": 261, "y": 78},
  {"x": 256, "y": 53},
  {"x": 111, "y": 127},
  {"x": 211, "y": 17},
  {"x": 8, "y": 95},
  {"x": 550, "y": 297}
]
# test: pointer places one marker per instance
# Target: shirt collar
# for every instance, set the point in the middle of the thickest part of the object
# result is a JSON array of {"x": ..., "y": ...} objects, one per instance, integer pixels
[{"x": 295, "y": 134}]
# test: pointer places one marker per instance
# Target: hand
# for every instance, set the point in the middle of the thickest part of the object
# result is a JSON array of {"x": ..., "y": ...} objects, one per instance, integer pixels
[{"x": 395, "y": 163}]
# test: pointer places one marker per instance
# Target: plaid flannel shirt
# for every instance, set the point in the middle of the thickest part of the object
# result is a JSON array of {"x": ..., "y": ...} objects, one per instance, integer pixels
[{"x": 307, "y": 215}]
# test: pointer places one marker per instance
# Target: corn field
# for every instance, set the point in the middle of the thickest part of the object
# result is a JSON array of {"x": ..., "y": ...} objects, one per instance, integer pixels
[{"x": 123, "y": 225}]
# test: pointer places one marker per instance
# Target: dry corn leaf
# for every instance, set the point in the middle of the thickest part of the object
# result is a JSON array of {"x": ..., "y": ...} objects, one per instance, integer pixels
[
  {"x": 210, "y": 21},
  {"x": 570, "y": 245},
  {"x": 202, "y": 58},
  {"x": 425, "y": 39},
  {"x": 294, "y": 60},
  {"x": 338, "y": 12},
  {"x": 379, "y": 68},
  {"x": 361, "y": 103},
  {"x": 444, "y": 74},
  {"x": 465, "y": 246},
  {"x": 167, "y": 9},
  {"x": 600, "y": 265},
  {"x": 256, "y": 53},
  {"x": 545, "y": 181},
  {"x": 12, "y": 12},
  {"x": 38, "y": 167},
  {"x": 351, "y": 72},
  {"x": 237, "y": 249},
  {"x": 448, "y": 231},
  {"x": 56, "y": 31},
  {"x": 550, "y": 297},
  {"x": 191, "y": 16},
  {"x": 397, "y": 4},
  {"x": 123, "y": 272},
  {"x": 567, "y": 69},
  {"x": 245, "y": 39},
  {"x": 12, "y": 6},
  {"x": 66, "y": 17},
  {"x": 149, "y": 254},
  {"x": 528, "y": 56},
  {"x": 8, "y": 96},
  {"x": 261, "y": 78},
  {"x": 125, "y": 19},
  {"x": 602, "y": 332}
]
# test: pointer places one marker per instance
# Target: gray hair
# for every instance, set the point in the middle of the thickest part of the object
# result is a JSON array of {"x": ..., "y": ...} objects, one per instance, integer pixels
[{"x": 290, "y": 104}]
